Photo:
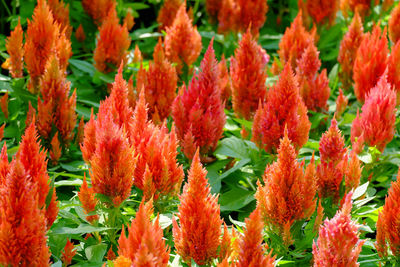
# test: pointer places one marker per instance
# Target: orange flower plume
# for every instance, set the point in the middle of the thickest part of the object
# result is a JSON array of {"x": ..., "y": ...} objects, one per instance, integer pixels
[
  {"x": 228, "y": 16},
  {"x": 348, "y": 50},
  {"x": 55, "y": 151},
  {"x": 55, "y": 106},
  {"x": 44, "y": 39},
  {"x": 394, "y": 25},
  {"x": 113, "y": 163},
  {"x": 60, "y": 13},
  {"x": 225, "y": 80},
  {"x": 251, "y": 249},
  {"x": 321, "y": 11},
  {"x": 68, "y": 253},
  {"x": 338, "y": 242},
  {"x": 15, "y": 50},
  {"x": 33, "y": 159},
  {"x": 129, "y": 20},
  {"x": 333, "y": 161},
  {"x": 283, "y": 106},
  {"x": 87, "y": 197},
  {"x": 248, "y": 72},
  {"x": 113, "y": 42},
  {"x": 363, "y": 7},
  {"x": 213, "y": 7},
  {"x": 294, "y": 41},
  {"x": 387, "y": 227},
  {"x": 198, "y": 235},
  {"x": 144, "y": 245},
  {"x": 370, "y": 62},
  {"x": 159, "y": 82},
  {"x": 98, "y": 9},
  {"x": 394, "y": 69},
  {"x": 167, "y": 13},
  {"x": 353, "y": 172},
  {"x": 198, "y": 112},
  {"x": 376, "y": 124},
  {"x": 314, "y": 87},
  {"x": 157, "y": 171},
  {"x": 182, "y": 41},
  {"x": 4, "y": 104},
  {"x": 289, "y": 193},
  {"x": 22, "y": 223},
  {"x": 341, "y": 104},
  {"x": 80, "y": 34}
]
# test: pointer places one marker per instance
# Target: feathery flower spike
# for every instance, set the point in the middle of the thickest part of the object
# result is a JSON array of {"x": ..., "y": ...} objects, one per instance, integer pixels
[{"x": 15, "y": 49}]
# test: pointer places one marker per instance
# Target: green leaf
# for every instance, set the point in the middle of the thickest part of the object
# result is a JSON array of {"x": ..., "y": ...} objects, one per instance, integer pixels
[
  {"x": 360, "y": 191},
  {"x": 233, "y": 147},
  {"x": 235, "y": 199},
  {"x": 83, "y": 66},
  {"x": 96, "y": 253},
  {"x": 81, "y": 229}
]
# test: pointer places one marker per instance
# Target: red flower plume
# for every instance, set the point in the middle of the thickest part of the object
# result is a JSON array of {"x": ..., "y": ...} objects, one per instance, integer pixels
[
  {"x": 112, "y": 43},
  {"x": 22, "y": 223},
  {"x": 376, "y": 123},
  {"x": 248, "y": 71},
  {"x": 322, "y": 11},
  {"x": 80, "y": 34},
  {"x": 284, "y": 106},
  {"x": 199, "y": 112},
  {"x": 60, "y": 13},
  {"x": 167, "y": 13},
  {"x": 225, "y": 80},
  {"x": 251, "y": 251},
  {"x": 228, "y": 16},
  {"x": 4, "y": 104},
  {"x": 394, "y": 24},
  {"x": 387, "y": 227},
  {"x": 252, "y": 14},
  {"x": 341, "y": 104},
  {"x": 331, "y": 145},
  {"x": 198, "y": 235},
  {"x": 213, "y": 7},
  {"x": 144, "y": 245},
  {"x": 314, "y": 87},
  {"x": 68, "y": 253},
  {"x": 348, "y": 50},
  {"x": 159, "y": 82},
  {"x": 338, "y": 242},
  {"x": 289, "y": 193},
  {"x": 87, "y": 197},
  {"x": 294, "y": 41},
  {"x": 183, "y": 41},
  {"x": 370, "y": 62},
  {"x": 15, "y": 49},
  {"x": 394, "y": 69},
  {"x": 98, "y": 9}
]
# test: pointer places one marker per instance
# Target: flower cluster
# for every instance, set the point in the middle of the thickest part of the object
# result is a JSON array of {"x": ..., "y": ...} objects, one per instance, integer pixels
[
  {"x": 15, "y": 49},
  {"x": 394, "y": 22},
  {"x": 248, "y": 72},
  {"x": 167, "y": 13},
  {"x": 98, "y": 9},
  {"x": 283, "y": 108},
  {"x": 198, "y": 111},
  {"x": 321, "y": 12},
  {"x": 289, "y": 193}
]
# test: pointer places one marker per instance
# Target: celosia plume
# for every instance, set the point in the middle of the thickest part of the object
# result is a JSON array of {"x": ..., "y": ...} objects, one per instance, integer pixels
[
  {"x": 376, "y": 124},
  {"x": 113, "y": 42},
  {"x": 394, "y": 24},
  {"x": 353, "y": 172},
  {"x": 55, "y": 151},
  {"x": 363, "y": 7},
  {"x": 294, "y": 41},
  {"x": 387, "y": 227},
  {"x": 80, "y": 34},
  {"x": 44, "y": 39},
  {"x": 283, "y": 108},
  {"x": 370, "y": 62},
  {"x": 68, "y": 253},
  {"x": 159, "y": 82},
  {"x": 167, "y": 13},
  {"x": 157, "y": 171},
  {"x": 22, "y": 223},
  {"x": 251, "y": 249},
  {"x": 228, "y": 16},
  {"x": 198, "y": 112},
  {"x": 314, "y": 87},
  {"x": 2, "y": 131},
  {"x": 252, "y": 14},
  {"x": 321, "y": 11},
  {"x": 213, "y": 7},
  {"x": 341, "y": 104},
  {"x": 387, "y": 4},
  {"x": 348, "y": 50},
  {"x": 144, "y": 245},
  {"x": 98, "y": 10},
  {"x": 182, "y": 41},
  {"x": 394, "y": 69},
  {"x": 34, "y": 162},
  {"x": 87, "y": 198},
  {"x": 248, "y": 72},
  {"x": 14, "y": 46},
  {"x": 289, "y": 192},
  {"x": 129, "y": 20},
  {"x": 198, "y": 235},
  {"x": 55, "y": 106},
  {"x": 4, "y": 104},
  {"x": 80, "y": 132},
  {"x": 60, "y": 13},
  {"x": 338, "y": 243},
  {"x": 333, "y": 162},
  {"x": 225, "y": 81}
]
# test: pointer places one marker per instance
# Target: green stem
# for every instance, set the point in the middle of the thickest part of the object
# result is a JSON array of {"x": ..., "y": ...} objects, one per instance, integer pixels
[
  {"x": 6, "y": 7},
  {"x": 111, "y": 222}
]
